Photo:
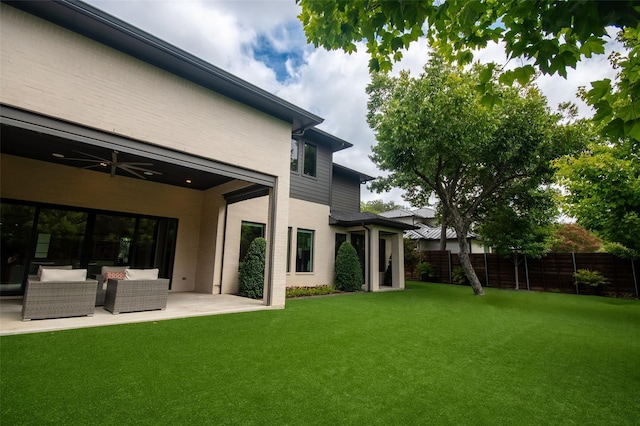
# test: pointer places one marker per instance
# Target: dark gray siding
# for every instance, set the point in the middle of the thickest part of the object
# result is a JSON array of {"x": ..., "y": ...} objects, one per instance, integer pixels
[
  {"x": 345, "y": 193},
  {"x": 315, "y": 189}
]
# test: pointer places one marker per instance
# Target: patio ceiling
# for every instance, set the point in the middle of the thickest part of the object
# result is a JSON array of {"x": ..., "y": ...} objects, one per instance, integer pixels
[{"x": 44, "y": 139}]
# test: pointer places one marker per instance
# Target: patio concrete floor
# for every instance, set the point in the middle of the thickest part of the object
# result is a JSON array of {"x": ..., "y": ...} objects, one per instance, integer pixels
[{"x": 179, "y": 305}]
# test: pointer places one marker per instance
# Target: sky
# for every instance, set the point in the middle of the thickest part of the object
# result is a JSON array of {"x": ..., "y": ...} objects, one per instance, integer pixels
[{"x": 262, "y": 42}]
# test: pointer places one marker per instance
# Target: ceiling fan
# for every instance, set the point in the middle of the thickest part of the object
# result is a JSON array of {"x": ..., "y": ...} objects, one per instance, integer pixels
[{"x": 133, "y": 168}]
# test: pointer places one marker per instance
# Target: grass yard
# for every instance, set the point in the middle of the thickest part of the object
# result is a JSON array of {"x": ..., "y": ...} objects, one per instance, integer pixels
[{"x": 434, "y": 354}]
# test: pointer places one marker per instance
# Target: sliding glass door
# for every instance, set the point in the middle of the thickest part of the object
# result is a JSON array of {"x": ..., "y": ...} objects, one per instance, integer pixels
[{"x": 34, "y": 234}]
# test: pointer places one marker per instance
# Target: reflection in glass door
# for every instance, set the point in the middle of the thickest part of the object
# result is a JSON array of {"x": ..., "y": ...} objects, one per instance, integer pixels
[
  {"x": 16, "y": 229},
  {"x": 111, "y": 241},
  {"x": 59, "y": 238}
]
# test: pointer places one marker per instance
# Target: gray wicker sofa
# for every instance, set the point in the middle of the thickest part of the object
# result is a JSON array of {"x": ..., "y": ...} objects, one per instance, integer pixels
[
  {"x": 136, "y": 295},
  {"x": 58, "y": 298}
]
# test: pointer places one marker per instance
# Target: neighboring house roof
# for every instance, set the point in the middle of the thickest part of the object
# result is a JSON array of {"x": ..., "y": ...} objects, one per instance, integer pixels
[
  {"x": 115, "y": 33},
  {"x": 426, "y": 232},
  {"x": 361, "y": 176},
  {"x": 365, "y": 218},
  {"x": 424, "y": 213}
]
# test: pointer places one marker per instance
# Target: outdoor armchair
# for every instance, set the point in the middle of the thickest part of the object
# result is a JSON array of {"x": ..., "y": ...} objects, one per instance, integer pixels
[
  {"x": 132, "y": 295},
  {"x": 67, "y": 294}
]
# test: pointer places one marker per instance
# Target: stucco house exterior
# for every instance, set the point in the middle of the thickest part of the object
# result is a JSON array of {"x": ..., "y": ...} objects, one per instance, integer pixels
[{"x": 119, "y": 148}]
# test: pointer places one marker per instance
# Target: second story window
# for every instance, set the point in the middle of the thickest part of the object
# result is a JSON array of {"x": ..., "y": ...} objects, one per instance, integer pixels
[
  {"x": 310, "y": 159},
  {"x": 294, "y": 155}
]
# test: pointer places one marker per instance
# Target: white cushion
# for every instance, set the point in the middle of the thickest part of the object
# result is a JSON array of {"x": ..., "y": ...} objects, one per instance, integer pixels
[
  {"x": 41, "y": 267},
  {"x": 141, "y": 274},
  {"x": 63, "y": 275}
]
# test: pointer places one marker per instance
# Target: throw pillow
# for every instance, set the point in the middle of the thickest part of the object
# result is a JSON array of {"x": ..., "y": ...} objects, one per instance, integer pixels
[{"x": 114, "y": 276}]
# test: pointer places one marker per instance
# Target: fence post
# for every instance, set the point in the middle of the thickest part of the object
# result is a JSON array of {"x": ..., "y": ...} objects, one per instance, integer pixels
[
  {"x": 526, "y": 272},
  {"x": 573, "y": 257},
  {"x": 450, "y": 273},
  {"x": 635, "y": 279},
  {"x": 486, "y": 270}
]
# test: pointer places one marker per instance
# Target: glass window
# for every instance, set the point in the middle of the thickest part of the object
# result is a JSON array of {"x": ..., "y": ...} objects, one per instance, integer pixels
[
  {"x": 294, "y": 155},
  {"x": 310, "y": 158},
  {"x": 289, "y": 249},
  {"x": 16, "y": 227},
  {"x": 304, "y": 251},
  {"x": 249, "y": 231}
]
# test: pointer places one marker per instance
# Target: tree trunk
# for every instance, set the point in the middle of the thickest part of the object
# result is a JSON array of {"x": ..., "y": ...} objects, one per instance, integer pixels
[
  {"x": 466, "y": 263},
  {"x": 443, "y": 231}
]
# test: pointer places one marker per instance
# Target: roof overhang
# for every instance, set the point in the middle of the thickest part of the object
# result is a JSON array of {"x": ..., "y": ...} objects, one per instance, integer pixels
[
  {"x": 34, "y": 136},
  {"x": 327, "y": 139},
  {"x": 363, "y": 178},
  {"x": 364, "y": 219},
  {"x": 117, "y": 34}
]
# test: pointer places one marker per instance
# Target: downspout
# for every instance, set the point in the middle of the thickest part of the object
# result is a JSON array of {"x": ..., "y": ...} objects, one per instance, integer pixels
[{"x": 367, "y": 253}]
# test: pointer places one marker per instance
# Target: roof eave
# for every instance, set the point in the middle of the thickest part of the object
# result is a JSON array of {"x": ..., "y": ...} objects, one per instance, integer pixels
[{"x": 117, "y": 34}]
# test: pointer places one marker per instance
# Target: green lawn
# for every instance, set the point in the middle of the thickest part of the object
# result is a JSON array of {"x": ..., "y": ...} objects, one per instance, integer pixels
[{"x": 433, "y": 354}]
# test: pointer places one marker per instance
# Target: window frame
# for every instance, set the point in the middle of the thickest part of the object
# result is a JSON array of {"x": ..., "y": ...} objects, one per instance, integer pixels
[
  {"x": 244, "y": 223},
  {"x": 299, "y": 260},
  {"x": 304, "y": 160}
]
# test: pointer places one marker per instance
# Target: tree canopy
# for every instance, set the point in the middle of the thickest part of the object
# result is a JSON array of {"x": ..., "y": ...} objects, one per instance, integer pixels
[
  {"x": 434, "y": 135},
  {"x": 546, "y": 36},
  {"x": 603, "y": 190},
  {"x": 378, "y": 206},
  {"x": 571, "y": 237}
]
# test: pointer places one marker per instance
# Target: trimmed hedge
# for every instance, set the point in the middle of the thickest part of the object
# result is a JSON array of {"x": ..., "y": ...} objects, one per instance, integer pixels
[
  {"x": 252, "y": 270},
  {"x": 348, "y": 272}
]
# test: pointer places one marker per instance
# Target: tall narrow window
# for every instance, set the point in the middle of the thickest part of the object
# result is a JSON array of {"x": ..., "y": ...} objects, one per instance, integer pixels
[
  {"x": 249, "y": 232},
  {"x": 310, "y": 159},
  {"x": 294, "y": 155},
  {"x": 289, "y": 249},
  {"x": 304, "y": 251}
]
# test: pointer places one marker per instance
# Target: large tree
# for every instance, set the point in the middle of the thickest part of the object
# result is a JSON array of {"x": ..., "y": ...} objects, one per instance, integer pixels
[
  {"x": 435, "y": 136},
  {"x": 547, "y": 36},
  {"x": 603, "y": 190}
]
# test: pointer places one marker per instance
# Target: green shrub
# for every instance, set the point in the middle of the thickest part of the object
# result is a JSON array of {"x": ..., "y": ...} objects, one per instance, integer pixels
[
  {"x": 589, "y": 278},
  {"x": 459, "y": 276},
  {"x": 348, "y": 272},
  {"x": 310, "y": 291},
  {"x": 426, "y": 271},
  {"x": 252, "y": 270}
]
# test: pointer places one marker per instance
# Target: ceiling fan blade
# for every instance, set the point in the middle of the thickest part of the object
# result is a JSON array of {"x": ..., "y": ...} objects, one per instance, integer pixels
[
  {"x": 114, "y": 162},
  {"x": 129, "y": 163},
  {"x": 142, "y": 169},
  {"x": 136, "y": 174},
  {"x": 91, "y": 155}
]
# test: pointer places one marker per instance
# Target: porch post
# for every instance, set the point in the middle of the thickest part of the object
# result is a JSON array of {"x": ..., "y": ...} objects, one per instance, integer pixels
[
  {"x": 374, "y": 259},
  {"x": 397, "y": 261},
  {"x": 275, "y": 279}
]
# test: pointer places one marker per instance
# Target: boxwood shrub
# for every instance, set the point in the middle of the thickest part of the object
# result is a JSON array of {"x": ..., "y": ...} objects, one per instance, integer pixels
[
  {"x": 348, "y": 272},
  {"x": 252, "y": 270}
]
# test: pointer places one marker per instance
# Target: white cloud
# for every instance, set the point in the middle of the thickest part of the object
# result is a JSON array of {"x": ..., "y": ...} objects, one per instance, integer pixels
[{"x": 330, "y": 84}]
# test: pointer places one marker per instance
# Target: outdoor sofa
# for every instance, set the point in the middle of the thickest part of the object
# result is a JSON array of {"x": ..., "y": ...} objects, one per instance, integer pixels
[
  {"x": 59, "y": 293},
  {"x": 140, "y": 290}
]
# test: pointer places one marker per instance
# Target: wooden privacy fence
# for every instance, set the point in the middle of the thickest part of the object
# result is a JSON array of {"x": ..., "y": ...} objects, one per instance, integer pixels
[{"x": 553, "y": 272}]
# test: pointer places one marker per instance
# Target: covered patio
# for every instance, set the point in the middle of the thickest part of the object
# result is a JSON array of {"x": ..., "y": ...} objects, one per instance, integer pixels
[{"x": 179, "y": 305}]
